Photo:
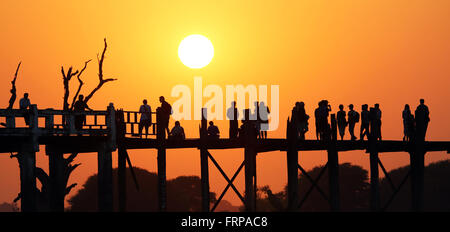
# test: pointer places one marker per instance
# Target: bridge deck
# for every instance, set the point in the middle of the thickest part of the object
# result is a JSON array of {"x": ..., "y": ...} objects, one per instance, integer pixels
[{"x": 90, "y": 144}]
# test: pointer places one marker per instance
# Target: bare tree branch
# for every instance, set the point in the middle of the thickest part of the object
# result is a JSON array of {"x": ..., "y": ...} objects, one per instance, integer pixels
[
  {"x": 68, "y": 189},
  {"x": 69, "y": 159},
  {"x": 13, "y": 88},
  {"x": 66, "y": 79},
  {"x": 100, "y": 74},
  {"x": 80, "y": 85}
]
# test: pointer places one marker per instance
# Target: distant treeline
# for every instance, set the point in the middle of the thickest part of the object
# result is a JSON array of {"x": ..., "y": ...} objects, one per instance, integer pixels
[{"x": 184, "y": 192}]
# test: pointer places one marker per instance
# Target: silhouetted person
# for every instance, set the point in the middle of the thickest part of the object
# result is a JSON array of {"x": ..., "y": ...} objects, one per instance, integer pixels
[
  {"x": 341, "y": 121},
  {"x": 378, "y": 120},
  {"x": 263, "y": 118},
  {"x": 177, "y": 132},
  {"x": 80, "y": 106},
  {"x": 353, "y": 118},
  {"x": 146, "y": 118},
  {"x": 233, "y": 115},
  {"x": 166, "y": 110},
  {"x": 365, "y": 122},
  {"x": 301, "y": 120},
  {"x": 247, "y": 128},
  {"x": 317, "y": 119},
  {"x": 294, "y": 118},
  {"x": 408, "y": 123},
  {"x": 375, "y": 122},
  {"x": 322, "y": 126},
  {"x": 213, "y": 131},
  {"x": 255, "y": 119},
  {"x": 422, "y": 119},
  {"x": 24, "y": 105}
]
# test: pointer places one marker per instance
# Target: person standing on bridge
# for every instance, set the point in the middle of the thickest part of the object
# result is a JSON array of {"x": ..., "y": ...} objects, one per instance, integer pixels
[
  {"x": 408, "y": 123},
  {"x": 353, "y": 118},
  {"x": 233, "y": 115},
  {"x": 146, "y": 118},
  {"x": 300, "y": 119},
  {"x": 341, "y": 121},
  {"x": 80, "y": 106},
  {"x": 378, "y": 120},
  {"x": 166, "y": 112},
  {"x": 322, "y": 114},
  {"x": 24, "y": 105},
  {"x": 256, "y": 119},
  {"x": 317, "y": 117},
  {"x": 365, "y": 122},
  {"x": 422, "y": 120},
  {"x": 263, "y": 118}
]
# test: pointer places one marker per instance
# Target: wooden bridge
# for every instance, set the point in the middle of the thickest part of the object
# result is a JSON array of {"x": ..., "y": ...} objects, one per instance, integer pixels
[{"x": 110, "y": 130}]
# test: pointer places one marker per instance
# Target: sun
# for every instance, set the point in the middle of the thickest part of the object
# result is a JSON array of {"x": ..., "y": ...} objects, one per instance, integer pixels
[{"x": 196, "y": 51}]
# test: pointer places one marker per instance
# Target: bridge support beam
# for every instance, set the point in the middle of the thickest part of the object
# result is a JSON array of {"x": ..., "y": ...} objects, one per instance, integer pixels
[
  {"x": 250, "y": 165},
  {"x": 417, "y": 164},
  {"x": 105, "y": 182},
  {"x": 292, "y": 169},
  {"x": 27, "y": 163},
  {"x": 333, "y": 167},
  {"x": 122, "y": 179},
  {"x": 204, "y": 163},
  {"x": 161, "y": 159},
  {"x": 374, "y": 180},
  {"x": 56, "y": 181}
]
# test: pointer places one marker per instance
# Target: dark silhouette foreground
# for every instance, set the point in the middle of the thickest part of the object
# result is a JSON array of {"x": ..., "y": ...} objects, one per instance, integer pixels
[{"x": 183, "y": 193}]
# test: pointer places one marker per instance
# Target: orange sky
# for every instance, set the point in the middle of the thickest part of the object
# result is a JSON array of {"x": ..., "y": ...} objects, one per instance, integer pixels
[{"x": 387, "y": 52}]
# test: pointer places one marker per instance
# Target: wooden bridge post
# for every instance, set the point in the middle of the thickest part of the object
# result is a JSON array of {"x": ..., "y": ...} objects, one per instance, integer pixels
[
  {"x": 27, "y": 163},
  {"x": 333, "y": 167},
  {"x": 105, "y": 182},
  {"x": 250, "y": 164},
  {"x": 375, "y": 202},
  {"x": 417, "y": 165},
  {"x": 162, "y": 179},
  {"x": 121, "y": 161},
  {"x": 292, "y": 169},
  {"x": 204, "y": 162},
  {"x": 56, "y": 180}
]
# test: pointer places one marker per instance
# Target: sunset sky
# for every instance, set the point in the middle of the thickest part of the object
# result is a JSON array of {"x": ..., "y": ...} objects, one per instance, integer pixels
[{"x": 387, "y": 52}]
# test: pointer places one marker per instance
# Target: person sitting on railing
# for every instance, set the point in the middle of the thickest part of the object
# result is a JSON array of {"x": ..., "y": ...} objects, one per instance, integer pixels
[
  {"x": 24, "y": 104},
  {"x": 80, "y": 106},
  {"x": 177, "y": 132},
  {"x": 146, "y": 118},
  {"x": 213, "y": 131}
]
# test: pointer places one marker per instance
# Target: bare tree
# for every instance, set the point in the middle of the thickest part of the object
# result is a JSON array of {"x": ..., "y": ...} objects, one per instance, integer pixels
[
  {"x": 102, "y": 81},
  {"x": 13, "y": 88},
  {"x": 81, "y": 83},
  {"x": 66, "y": 79}
]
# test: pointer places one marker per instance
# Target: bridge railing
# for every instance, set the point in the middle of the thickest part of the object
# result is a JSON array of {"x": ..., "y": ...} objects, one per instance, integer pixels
[
  {"x": 56, "y": 122},
  {"x": 132, "y": 118}
]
